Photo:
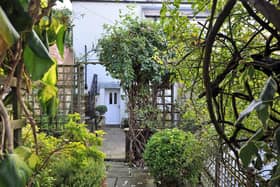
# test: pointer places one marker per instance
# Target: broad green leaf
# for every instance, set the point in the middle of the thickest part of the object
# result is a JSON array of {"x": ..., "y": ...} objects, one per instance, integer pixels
[
  {"x": 254, "y": 104},
  {"x": 277, "y": 139},
  {"x": 262, "y": 104},
  {"x": 269, "y": 90},
  {"x": 47, "y": 93},
  {"x": 8, "y": 34},
  {"x": 52, "y": 106},
  {"x": 37, "y": 46},
  {"x": 35, "y": 65},
  {"x": 17, "y": 12},
  {"x": 263, "y": 114},
  {"x": 60, "y": 40},
  {"x": 51, "y": 76},
  {"x": 14, "y": 171},
  {"x": 247, "y": 152},
  {"x": 259, "y": 134}
]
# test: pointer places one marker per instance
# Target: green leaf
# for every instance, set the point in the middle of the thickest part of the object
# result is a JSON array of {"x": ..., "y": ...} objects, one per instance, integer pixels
[
  {"x": 35, "y": 65},
  {"x": 247, "y": 153},
  {"x": 36, "y": 57},
  {"x": 47, "y": 93},
  {"x": 263, "y": 114},
  {"x": 8, "y": 34},
  {"x": 256, "y": 137},
  {"x": 60, "y": 40},
  {"x": 51, "y": 76},
  {"x": 17, "y": 12},
  {"x": 269, "y": 90},
  {"x": 52, "y": 106},
  {"x": 262, "y": 104},
  {"x": 37, "y": 46},
  {"x": 14, "y": 171},
  {"x": 254, "y": 104},
  {"x": 277, "y": 139}
]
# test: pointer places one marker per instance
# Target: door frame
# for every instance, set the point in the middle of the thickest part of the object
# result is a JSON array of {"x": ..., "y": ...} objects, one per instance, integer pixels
[{"x": 106, "y": 97}]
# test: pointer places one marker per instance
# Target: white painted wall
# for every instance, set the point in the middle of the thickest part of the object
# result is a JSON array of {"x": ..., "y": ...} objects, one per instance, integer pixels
[{"x": 89, "y": 19}]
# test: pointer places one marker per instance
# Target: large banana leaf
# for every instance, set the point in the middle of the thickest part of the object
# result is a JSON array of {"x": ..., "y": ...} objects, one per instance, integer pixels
[
  {"x": 8, "y": 34},
  {"x": 14, "y": 172},
  {"x": 36, "y": 57}
]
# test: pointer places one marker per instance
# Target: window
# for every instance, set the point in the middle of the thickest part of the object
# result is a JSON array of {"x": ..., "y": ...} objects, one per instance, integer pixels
[
  {"x": 115, "y": 98},
  {"x": 110, "y": 98}
]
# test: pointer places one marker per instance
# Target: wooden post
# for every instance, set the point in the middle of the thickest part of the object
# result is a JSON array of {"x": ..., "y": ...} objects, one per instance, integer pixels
[{"x": 16, "y": 115}]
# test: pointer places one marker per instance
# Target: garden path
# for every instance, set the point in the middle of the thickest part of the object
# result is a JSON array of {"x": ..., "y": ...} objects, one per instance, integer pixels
[
  {"x": 114, "y": 143},
  {"x": 119, "y": 174}
]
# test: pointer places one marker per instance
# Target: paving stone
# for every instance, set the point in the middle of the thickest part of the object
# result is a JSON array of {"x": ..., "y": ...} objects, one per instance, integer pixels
[
  {"x": 114, "y": 143},
  {"x": 134, "y": 182},
  {"x": 110, "y": 182}
]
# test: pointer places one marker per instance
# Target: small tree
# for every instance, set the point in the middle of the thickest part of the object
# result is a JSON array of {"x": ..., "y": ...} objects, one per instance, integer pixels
[{"x": 132, "y": 51}]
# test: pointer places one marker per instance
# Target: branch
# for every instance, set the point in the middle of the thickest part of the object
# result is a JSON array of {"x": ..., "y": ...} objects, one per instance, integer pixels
[
  {"x": 24, "y": 107},
  {"x": 258, "y": 19},
  {"x": 206, "y": 64},
  {"x": 7, "y": 126}
]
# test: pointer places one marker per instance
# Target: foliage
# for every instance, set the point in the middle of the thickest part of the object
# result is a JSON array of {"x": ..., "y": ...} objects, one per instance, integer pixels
[
  {"x": 14, "y": 171},
  {"x": 230, "y": 63},
  {"x": 173, "y": 155},
  {"x": 102, "y": 109},
  {"x": 131, "y": 51},
  {"x": 134, "y": 51},
  {"x": 73, "y": 159}
]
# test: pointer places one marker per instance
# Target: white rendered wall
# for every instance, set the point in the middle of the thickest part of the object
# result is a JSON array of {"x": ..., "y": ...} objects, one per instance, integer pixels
[{"x": 89, "y": 19}]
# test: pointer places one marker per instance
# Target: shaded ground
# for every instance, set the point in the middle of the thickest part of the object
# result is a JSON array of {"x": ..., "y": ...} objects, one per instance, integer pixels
[
  {"x": 114, "y": 144},
  {"x": 119, "y": 174}
]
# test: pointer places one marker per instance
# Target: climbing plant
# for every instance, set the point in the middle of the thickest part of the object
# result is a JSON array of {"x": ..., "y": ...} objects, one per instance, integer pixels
[
  {"x": 234, "y": 57},
  {"x": 27, "y": 30},
  {"x": 133, "y": 51}
]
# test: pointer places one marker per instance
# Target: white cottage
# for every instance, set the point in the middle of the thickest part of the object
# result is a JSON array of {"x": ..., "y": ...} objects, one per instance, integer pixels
[{"x": 89, "y": 17}]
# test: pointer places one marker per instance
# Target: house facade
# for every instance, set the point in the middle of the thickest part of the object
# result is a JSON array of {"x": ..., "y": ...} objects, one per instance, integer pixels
[{"x": 89, "y": 17}]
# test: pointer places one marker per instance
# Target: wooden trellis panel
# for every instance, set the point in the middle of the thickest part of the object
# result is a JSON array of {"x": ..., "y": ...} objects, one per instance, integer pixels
[
  {"x": 71, "y": 96},
  {"x": 166, "y": 103},
  {"x": 222, "y": 170}
]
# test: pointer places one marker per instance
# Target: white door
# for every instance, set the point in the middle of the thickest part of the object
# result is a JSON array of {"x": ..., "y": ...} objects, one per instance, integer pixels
[{"x": 112, "y": 100}]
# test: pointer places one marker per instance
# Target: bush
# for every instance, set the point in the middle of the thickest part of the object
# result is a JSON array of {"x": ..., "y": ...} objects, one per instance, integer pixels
[
  {"x": 174, "y": 157},
  {"x": 73, "y": 159},
  {"x": 102, "y": 109}
]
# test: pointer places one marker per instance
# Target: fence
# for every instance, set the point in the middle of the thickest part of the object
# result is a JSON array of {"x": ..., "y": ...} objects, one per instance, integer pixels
[
  {"x": 71, "y": 96},
  {"x": 222, "y": 170}
]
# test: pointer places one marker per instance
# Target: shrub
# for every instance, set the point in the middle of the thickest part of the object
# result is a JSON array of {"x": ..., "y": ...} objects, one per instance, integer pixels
[
  {"x": 102, "y": 109},
  {"x": 73, "y": 159},
  {"x": 174, "y": 157}
]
